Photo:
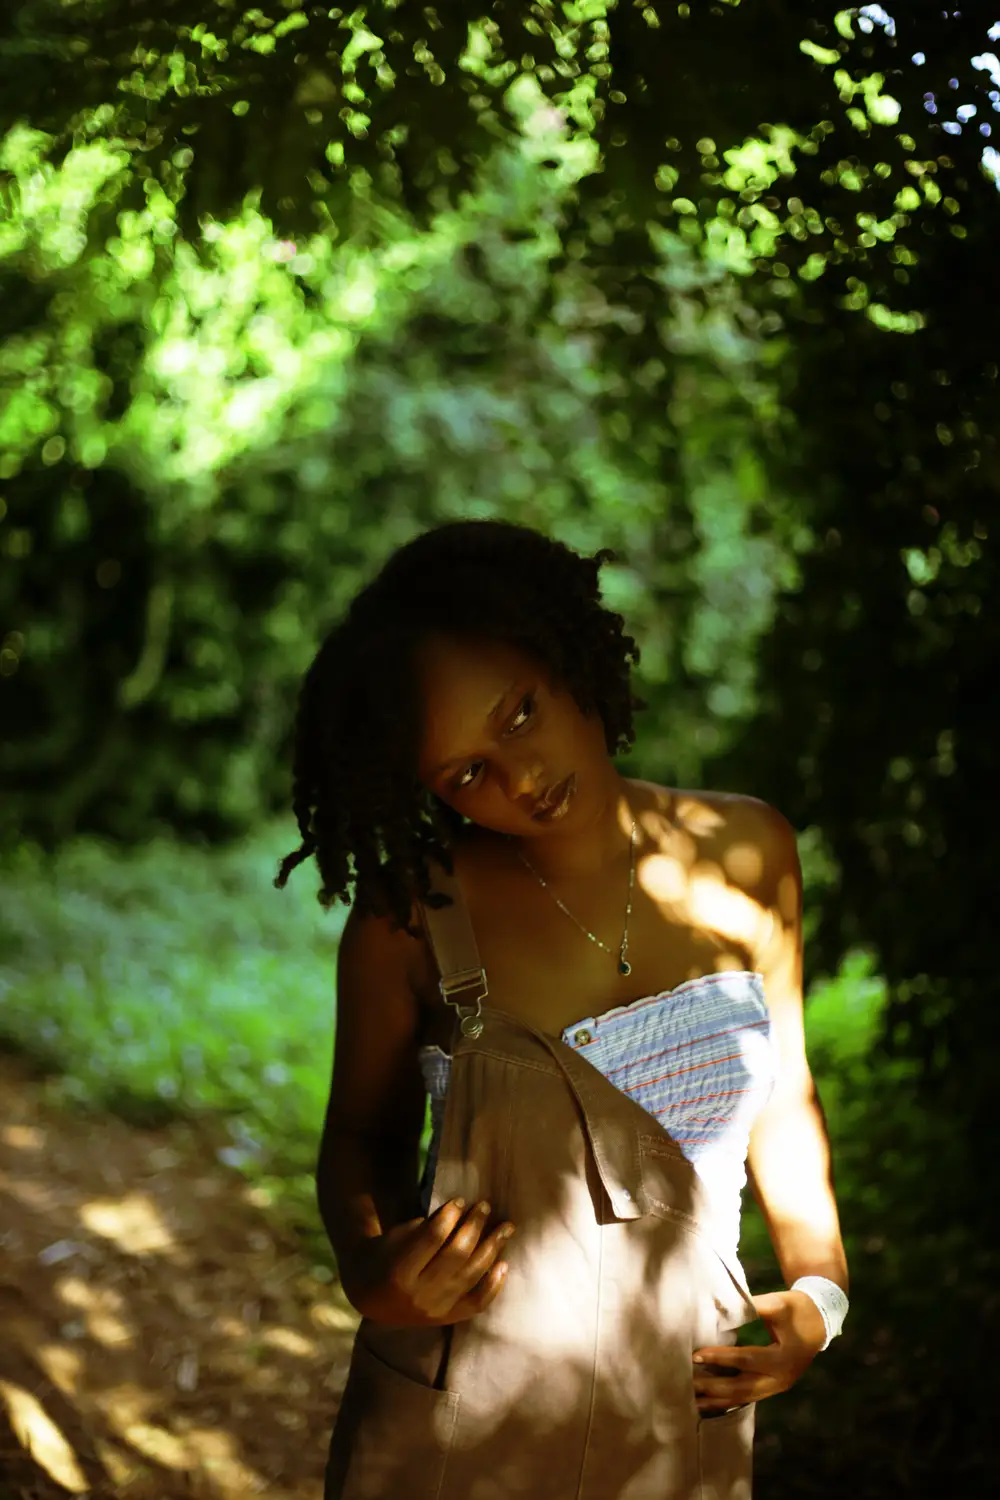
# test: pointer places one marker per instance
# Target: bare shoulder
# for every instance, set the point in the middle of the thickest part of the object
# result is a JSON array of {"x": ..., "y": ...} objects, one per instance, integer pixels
[
  {"x": 751, "y": 840},
  {"x": 376, "y": 945}
]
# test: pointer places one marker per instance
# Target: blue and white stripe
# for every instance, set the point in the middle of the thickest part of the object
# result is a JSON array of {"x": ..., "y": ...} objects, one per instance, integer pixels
[{"x": 700, "y": 1058}]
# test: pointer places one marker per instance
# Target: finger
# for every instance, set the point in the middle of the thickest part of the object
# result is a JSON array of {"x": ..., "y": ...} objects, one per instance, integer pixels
[
  {"x": 762, "y": 1359},
  {"x": 463, "y": 1241},
  {"x": 484, "y": 1257},
  {"x": 433, "y": 1234},
  {"x": 730, "y": 1391},
  {"x": 444, "y": 1276},
  {"x": 743, "y": 1357},
  {"x": 486, "y": 1289},
  {"x": 484, "y": 1273},
  {"x": 721, "y": 1395}
]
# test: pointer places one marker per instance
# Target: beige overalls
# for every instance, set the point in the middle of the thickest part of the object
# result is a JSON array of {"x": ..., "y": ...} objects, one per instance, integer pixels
[{"x": 576, "y": 1383}]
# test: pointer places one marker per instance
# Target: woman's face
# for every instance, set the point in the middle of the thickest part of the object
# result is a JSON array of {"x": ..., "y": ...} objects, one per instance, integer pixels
[{"x": 499, "y": 735}]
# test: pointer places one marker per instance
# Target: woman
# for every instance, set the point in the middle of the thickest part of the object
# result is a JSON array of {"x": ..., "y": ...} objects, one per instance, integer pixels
[{"x": 597, "y": 981}]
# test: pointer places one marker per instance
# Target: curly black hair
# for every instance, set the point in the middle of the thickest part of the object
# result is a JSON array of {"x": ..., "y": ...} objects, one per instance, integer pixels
[{"x": 356, "y": 791}]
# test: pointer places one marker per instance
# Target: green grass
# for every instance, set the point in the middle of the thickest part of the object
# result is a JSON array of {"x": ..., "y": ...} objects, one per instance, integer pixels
[{"x": 177, "y": 982}]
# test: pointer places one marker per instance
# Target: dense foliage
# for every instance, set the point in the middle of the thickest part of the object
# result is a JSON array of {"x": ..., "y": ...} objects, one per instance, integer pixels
[{"x": 468, "y": 278}]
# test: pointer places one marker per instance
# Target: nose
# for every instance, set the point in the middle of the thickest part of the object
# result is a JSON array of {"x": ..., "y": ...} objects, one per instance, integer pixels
[{"x": 526, "y": 787}]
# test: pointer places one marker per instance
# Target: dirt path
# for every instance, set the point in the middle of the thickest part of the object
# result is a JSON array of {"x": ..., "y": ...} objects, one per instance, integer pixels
[{"x": 160, "y": 1338}]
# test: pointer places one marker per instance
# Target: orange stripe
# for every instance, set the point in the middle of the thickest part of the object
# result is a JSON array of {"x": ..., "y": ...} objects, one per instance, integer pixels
[
  {"x": 701, "y": 1098},
  {"x": 694, "y": 1068}
]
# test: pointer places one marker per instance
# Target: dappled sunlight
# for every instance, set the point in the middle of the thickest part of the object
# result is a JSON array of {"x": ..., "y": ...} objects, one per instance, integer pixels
[
  {"x": 664, "y": 877},
  {"x": 289, "y": 1341},
  {"x": 708, "y": 890},
  {"x": 156, "y": 1443},
  {"x": 722, "y": 909},
  {"x": 163, "y": 1340},
  {"x": 133, "y": 1224},
  {"x": 744, "y": 863},
  {"x": 22, "y": 1137},
  {"x": 34, "y": 1195},
  {"x": 214, "y": 1450},
  {"x": 699, "y": 893},
  {"x": 37, "y": 1433},
  {"x": 699, "y": 818},
  {"x": 63, "y": 1365},
  {"x": 233, "y": 1328},
  {"x": 100, "y": 1306},
  {"x": 337, "y": 1319}
]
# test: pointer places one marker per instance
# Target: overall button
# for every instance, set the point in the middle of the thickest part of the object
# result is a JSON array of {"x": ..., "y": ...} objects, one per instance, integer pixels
[{"x": 582, "y": 1037}]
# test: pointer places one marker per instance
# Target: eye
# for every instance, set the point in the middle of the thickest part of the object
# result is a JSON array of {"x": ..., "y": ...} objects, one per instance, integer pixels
[{"x": 517, "y": 723}]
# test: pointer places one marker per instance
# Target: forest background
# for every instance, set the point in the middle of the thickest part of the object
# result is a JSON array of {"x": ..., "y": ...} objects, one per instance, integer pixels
[{"x": 711, "y": 284}]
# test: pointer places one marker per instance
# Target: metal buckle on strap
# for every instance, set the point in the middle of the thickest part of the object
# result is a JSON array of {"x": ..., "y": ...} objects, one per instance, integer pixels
[{"x": 471, "y": 1022}]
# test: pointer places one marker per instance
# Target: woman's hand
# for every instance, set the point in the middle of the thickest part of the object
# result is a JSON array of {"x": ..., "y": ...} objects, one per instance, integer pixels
[
  {"x": 797, "y": 1328},
  {"x": 429, "y": 1272}
]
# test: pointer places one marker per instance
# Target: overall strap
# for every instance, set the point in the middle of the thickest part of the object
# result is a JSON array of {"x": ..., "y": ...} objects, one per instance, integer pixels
[
  {"x": 615, "y": 1147},
  {"x": 453, "y": 942}
]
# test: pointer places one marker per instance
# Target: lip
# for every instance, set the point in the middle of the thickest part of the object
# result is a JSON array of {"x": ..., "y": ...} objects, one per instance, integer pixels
[{"x": 553, "y": 797}]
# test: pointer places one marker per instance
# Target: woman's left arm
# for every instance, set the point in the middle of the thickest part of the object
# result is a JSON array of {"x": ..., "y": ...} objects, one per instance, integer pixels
[{"x": 789, "y": 1165}]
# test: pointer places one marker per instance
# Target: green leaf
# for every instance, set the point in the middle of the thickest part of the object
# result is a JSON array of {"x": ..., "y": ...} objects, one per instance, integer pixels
[{"x": 825, "y": 55}]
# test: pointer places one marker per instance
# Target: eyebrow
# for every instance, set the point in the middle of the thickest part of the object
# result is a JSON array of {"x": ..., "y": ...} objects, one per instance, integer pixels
[{"x": 458, "y": 759}]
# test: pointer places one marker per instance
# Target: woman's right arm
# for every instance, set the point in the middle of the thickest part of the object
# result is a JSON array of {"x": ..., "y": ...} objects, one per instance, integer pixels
[
  {"x": 396, "y": 1266},
  {"x": 368, "y": 1167}
]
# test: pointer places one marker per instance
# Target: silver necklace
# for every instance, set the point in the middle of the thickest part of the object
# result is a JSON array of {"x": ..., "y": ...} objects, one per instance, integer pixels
[{"x": 624, "y": 967}]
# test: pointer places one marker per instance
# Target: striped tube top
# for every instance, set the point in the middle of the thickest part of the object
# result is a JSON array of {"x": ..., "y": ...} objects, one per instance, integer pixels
[{"x": 700, "y": 1058}]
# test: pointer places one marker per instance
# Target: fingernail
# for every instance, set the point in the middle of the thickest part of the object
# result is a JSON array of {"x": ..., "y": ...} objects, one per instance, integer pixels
[
  {"x": 699, "y": 1359},
  {"x": 459, "y": 1203},
  {"x": 506, "y": 1231}
]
